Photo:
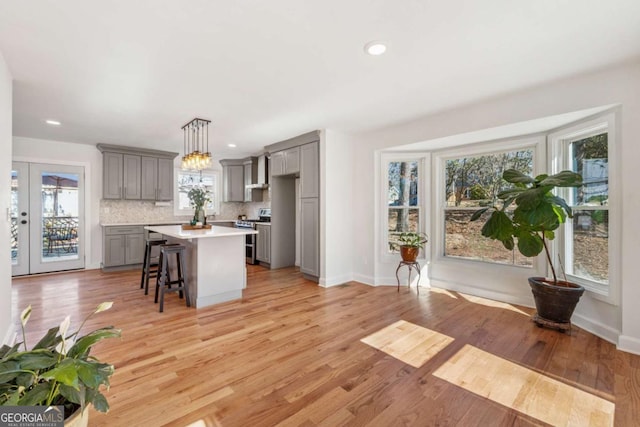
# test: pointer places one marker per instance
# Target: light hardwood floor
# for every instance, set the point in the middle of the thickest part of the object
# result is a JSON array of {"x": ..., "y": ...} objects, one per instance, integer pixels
[{"x": 290, "y": 353}]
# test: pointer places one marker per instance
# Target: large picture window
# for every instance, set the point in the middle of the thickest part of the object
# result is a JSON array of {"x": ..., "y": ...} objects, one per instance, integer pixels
[{"x": 472, "y": 182}]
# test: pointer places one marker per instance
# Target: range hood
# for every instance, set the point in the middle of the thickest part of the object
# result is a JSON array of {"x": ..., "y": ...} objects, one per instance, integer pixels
[{"x": 259, "y": 173}]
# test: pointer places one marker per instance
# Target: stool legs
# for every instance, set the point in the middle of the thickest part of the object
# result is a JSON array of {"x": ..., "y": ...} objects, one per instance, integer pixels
[
  {"x": 164, "y": 282},
  {"x": 145, "y": 267},
  {"x": 184, "y": 280},
  {"x": 148, "y": 266}
]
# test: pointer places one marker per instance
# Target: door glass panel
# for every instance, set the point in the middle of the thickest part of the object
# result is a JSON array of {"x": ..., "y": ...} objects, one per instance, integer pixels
[
  {"x": 14, "y": 217},
  {"x": 60, "y": 214}
]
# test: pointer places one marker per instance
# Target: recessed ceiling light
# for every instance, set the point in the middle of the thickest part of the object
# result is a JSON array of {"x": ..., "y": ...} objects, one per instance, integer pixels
[
  {"x": 231, "y": 145},
  {"x": 375, "y": 48},
  {"x": 53, "y": 122}
]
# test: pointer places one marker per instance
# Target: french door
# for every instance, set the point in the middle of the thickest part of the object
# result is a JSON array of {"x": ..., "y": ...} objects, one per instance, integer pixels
[{"x": 47, "y": 218}]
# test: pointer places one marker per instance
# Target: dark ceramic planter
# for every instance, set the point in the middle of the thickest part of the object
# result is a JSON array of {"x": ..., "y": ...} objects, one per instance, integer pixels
[{"x": 555, "y": 303}]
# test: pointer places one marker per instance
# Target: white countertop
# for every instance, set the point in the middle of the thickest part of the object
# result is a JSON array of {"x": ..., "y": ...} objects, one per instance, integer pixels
[
  {"x": 161, "y": 222},
  {"x": 215, "y": 231}
]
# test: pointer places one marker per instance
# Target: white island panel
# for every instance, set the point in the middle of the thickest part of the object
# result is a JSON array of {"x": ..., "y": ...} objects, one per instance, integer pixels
[{"x": 215, "y": 261}]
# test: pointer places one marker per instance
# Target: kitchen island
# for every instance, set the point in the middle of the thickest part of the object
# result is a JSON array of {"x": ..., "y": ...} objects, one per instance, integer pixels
[{"x": 215, "y": 261}]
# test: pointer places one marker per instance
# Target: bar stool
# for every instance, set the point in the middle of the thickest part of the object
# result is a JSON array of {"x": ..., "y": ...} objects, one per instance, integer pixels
[
  {"x": 163, "y": 283},
  {"x": 150, "y": 266}
]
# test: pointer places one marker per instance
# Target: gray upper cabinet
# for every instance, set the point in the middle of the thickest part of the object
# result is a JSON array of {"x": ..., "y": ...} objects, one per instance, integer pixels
[
  {"x": 112, "y": 176},
  {"x": 276, "y": 163},
  {"x": 232, "y": 180},
  {"x": 285, "y": 162},
  {"x": 309, "y": 170},
  {"x": 292, "y": 160},
  {"x": 157, "y": 178},
  {"x": 165, "y": 179},
  {"x": 131, "y": 177},
  {"x": 248, "y": 173},
  {"x": 136, "y": 174},
  {"x": 149, "y": 178},
  {"x": 239, "y": 177}
]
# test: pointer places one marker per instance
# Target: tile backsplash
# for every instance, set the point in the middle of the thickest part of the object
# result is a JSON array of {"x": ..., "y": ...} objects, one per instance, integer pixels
[{"x": 123, "y": 211}]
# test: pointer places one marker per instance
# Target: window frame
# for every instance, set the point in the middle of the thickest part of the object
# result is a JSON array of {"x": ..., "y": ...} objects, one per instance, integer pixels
[
  {"x": 215, "y": 210},
  {"x": 537, "y": 143},
  {"x": 424, "y": 179},
  {"x": 559, "y": 142}
]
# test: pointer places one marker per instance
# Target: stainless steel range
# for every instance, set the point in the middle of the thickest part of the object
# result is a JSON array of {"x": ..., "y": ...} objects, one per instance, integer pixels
[{"x": 264, "y": 215}]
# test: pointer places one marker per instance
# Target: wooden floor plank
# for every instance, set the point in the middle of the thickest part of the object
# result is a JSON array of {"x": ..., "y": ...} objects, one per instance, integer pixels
[{"x": 289, "y": 353}]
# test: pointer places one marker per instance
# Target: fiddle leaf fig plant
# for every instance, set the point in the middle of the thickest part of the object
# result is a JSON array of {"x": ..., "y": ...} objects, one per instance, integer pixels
[{"x": 537, "y": 215}]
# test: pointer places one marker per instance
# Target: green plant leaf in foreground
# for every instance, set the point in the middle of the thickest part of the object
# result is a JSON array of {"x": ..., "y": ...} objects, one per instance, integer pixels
[{"x": 84, "y": 344}]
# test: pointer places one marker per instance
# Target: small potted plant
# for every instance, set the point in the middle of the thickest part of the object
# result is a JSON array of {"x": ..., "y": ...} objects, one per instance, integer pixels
[
  {"x": 198, "y": 197},
  {"x": 410, "y": 243},
  {"x": 58, "y": 370},
  {"x": 532, "y": 224}
]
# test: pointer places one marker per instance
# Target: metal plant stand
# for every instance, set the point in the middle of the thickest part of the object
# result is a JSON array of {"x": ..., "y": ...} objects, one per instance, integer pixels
[{"x": 411, "y": 266}]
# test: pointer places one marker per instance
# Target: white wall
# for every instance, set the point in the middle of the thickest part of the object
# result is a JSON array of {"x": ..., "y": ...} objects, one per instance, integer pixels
[
  {"x": 56, "y": 152},
  {"x": 336, "y": 189},
  {"x": 615, "y": 85},
  {"x": 6, "y": 329}
]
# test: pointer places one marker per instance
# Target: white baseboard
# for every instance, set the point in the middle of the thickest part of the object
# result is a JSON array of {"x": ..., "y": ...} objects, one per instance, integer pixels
[
  {"x": 365, "y": 280},
  {"x": 596, "y": 328},
  {"x": 335, "y": 281},
  {"x": 92, "y": 266},
  {"x": 218, "y": 298},
  {"x": 629, "y": 344},
  {"x": 10, "y": 336}
]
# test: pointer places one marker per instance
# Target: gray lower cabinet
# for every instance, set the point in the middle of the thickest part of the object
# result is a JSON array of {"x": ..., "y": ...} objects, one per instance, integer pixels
[
  {"x": 123, "y": 245},
  {"x": 263, "y": 251},
  {"x": 310, "y": 237}
]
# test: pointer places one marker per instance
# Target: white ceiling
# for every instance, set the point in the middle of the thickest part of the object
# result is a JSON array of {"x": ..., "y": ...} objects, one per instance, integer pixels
[{"x": 133, "y": 72}]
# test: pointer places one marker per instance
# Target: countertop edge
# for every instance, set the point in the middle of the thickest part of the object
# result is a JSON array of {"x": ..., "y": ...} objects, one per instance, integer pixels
[
  {"x": 215, "y": 231},
  {"x": 167, "y": 222}
]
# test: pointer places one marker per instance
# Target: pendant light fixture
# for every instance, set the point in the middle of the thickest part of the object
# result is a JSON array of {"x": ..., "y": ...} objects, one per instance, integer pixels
[{"x": 196, "y": 145}]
